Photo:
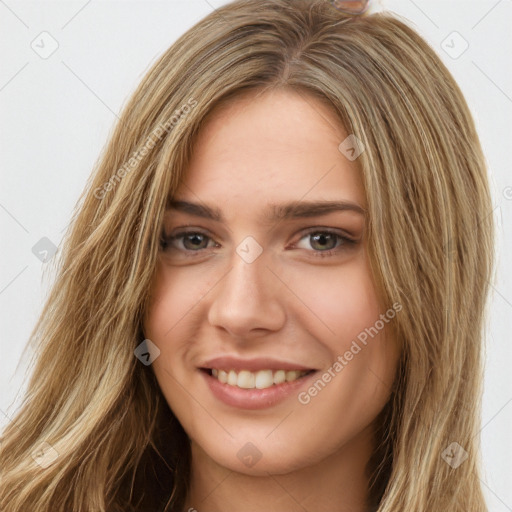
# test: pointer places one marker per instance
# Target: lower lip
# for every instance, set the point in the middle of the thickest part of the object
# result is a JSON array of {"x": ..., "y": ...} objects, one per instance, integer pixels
[{"x": 254, "y": 398}]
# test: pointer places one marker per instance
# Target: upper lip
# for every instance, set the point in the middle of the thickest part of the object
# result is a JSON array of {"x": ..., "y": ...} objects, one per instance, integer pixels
[{"x": 259, "y": 363}]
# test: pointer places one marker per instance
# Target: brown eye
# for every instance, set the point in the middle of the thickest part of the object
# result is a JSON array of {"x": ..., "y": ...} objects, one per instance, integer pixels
[
  {"x": 325, "y": 243},
  {"x": 186, "y": 241}
]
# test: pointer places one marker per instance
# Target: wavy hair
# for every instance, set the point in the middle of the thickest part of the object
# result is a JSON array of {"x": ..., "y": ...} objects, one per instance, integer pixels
[{"x": 116, "y": 444}]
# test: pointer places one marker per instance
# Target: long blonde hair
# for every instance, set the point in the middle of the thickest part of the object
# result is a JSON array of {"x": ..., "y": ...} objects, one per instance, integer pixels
[{"x": 100, "y": 410}]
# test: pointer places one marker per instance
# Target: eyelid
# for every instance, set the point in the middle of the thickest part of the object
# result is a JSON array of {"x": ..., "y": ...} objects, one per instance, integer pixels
[{"x": 333, "y": 231}]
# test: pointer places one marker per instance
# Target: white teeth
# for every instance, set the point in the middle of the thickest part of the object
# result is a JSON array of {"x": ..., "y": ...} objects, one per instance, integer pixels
[
  {"x": 264, "y": 379},
  {"x": 261, "y": 379},
  {"x": 279, "y": 376},
  {"x": 291, "y": 375},
  {"x": 245, "y": 380},
  {"x": 232, "y": 378}
]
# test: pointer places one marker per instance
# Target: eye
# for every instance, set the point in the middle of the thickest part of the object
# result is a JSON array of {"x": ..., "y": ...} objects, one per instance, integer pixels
[
  {"x": 325, "y": 242},
  {"x": 190, "y": 241}
]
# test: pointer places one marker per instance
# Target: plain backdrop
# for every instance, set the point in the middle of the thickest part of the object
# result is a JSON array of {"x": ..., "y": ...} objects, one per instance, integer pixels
[{"x": 68, "y": 67}]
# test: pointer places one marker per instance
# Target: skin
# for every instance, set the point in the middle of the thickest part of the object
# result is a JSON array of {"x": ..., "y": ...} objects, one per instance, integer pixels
[{"x": 288, "y": 304}]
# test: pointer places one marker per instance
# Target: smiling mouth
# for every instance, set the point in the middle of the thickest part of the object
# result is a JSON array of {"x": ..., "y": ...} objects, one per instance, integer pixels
[{"x": 261, "y": 379}]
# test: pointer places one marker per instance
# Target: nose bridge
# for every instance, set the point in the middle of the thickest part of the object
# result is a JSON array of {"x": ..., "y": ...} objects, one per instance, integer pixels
[
  {"x": 248, "y": 297},
  {"x": 249, "y": 277}
]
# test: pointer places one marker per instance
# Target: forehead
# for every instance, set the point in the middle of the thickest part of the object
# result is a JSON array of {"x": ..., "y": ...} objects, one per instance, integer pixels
[{"x": 280, "y": 145}]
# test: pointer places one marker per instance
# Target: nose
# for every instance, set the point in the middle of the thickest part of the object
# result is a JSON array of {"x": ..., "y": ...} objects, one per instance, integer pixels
[{"x": 248, "y": 300}]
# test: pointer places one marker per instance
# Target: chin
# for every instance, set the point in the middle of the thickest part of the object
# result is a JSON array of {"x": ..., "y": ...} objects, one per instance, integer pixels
[
  {"x": 261, "y": 456},
  {"x": 275, "y": 464}
]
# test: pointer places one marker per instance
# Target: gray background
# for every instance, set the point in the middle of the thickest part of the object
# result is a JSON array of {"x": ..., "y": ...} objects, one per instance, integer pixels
[{"x": 58, "y": 109}]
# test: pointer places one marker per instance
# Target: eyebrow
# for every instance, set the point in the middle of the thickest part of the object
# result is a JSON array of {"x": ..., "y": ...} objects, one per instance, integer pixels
[{"x": 278, "y": 212}]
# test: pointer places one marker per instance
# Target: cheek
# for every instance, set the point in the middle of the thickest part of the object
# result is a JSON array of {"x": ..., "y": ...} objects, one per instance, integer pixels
[
  {"x": 176, "y": 294},
  {"x": 174, "y": 306},
  {"x": 342, "y": 302},
  {"x": 174, "y": 302},
  {"x": 363, "y": 356}
]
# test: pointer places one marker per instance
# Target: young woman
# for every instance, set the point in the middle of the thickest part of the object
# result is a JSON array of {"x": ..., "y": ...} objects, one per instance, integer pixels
[{"x": 272, "y": 293}]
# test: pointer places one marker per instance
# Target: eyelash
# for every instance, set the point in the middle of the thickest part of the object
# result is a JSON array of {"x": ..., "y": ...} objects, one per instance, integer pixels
[{"x": 345, "y": 242}]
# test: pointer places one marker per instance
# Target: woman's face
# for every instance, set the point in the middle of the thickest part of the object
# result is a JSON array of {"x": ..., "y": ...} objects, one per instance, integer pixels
[{"x": 271, "y": 280}]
